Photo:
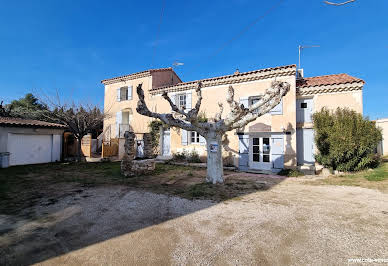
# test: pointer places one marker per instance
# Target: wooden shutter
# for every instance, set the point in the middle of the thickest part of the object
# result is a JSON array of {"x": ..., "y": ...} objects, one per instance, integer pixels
[
  {"x": 118, "y": 122},
  {"x": 278, "y": 109},
  {"x": 277, "y": 152},
  {"x": 173, "y": 99},
  {"x": 184, "y": 137},
  {"x": 243, "y": 151},
  {"x": 244, "y": 101},
  {"x": 188, "y": 101},
  {"x": 202, "y": 140},
  {"x": 118, "y": 95},
  {"x": 129, "y": 92}
]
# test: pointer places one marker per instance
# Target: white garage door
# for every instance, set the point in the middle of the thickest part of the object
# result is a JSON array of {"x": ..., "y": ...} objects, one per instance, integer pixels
[{"x": 30, "y": 149}]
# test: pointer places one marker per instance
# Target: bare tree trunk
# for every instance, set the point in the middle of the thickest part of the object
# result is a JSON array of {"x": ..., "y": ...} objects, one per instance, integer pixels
[
  {"x": 79, "y": 152},
  {"x": 215, "y": 170}
]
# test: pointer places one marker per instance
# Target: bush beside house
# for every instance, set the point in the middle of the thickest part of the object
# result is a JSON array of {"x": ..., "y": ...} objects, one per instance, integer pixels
[{"x": 346, "y": 141}]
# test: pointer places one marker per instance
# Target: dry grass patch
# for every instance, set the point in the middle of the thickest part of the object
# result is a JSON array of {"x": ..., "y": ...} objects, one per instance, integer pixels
[
  {"x": 373, "y": 179},
  {"x": 25, "y": 186}
]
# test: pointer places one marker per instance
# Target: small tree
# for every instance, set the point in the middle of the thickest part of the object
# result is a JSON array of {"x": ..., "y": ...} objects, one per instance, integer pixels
[
  {"x": 5, "y": 111},
  {"x": 29, "y": 107},
  {"x": 238, "y": 117},
  {"x": 80, "y": 119},
  {"x": 345, "y": 140}
]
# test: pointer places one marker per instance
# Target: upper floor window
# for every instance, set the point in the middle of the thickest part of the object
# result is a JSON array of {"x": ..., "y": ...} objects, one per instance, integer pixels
[
  {"x": 124, "y": 93},
  {"x": 181, "y": 101},
  {"x": 252, "y": 101}
]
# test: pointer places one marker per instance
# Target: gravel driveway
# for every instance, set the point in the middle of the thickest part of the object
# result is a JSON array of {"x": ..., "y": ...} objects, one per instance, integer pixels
[{"x": 291, "y": 224}]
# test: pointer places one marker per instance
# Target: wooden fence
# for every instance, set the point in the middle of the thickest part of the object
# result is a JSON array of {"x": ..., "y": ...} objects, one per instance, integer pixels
[{"x": 110, "y": 148}]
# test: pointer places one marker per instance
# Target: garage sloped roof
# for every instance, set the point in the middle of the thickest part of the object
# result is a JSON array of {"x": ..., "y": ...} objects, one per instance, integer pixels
[{"x": 12, "y": 121}]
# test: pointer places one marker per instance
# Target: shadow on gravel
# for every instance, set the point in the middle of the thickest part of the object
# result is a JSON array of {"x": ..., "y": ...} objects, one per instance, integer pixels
[{"x": 50, "y": 210}]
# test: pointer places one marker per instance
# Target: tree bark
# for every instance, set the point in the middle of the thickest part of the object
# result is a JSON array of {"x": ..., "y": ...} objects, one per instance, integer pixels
[
  {"x": 79, "y": 152},
  {"x": 215, "y": 170}
]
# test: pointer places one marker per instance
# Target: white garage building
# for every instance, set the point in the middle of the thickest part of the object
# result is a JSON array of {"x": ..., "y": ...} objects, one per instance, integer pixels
[{"x": 30, "y": 141}]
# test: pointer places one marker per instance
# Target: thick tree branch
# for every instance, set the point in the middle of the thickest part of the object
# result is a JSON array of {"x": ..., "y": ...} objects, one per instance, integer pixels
[
  {"x": 218, "y": 115},
  {"x": 193, "y": 113},
  {"x": 271, "y": 98},
  {"x": 173, "y": 106},
  {"x": 168, "y": 119}
]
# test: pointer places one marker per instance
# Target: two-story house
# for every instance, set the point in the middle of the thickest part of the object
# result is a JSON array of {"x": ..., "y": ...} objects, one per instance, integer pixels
[{"x": 282, "y": 138}]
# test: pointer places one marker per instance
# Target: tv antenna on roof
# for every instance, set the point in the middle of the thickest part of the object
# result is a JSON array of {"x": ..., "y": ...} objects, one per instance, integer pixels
[{"x": 301, "y": 47}]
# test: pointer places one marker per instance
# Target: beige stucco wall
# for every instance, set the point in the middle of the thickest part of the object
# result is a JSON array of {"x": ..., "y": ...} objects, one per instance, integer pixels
[
  {"x": 213, "y": 95},
  {"x": 112, "y": 106},
  {"x": 285, "y": 122},
  {"x": 138, "y": 123},
  {"x": 383, "y": 124},
  {"x": 352, "y": 100}
]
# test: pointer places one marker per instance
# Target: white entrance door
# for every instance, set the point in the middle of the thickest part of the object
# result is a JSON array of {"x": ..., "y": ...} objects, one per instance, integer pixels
[
  {"x": 261, "y": 153},
  {"x": 166, "y": 142},
  {"x": 30, "y": 149}
]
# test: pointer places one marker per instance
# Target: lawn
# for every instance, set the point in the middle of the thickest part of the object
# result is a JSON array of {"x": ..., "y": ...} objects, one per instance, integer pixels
[
  {"x": 373, "y": 178},
  {"x": 24, "y": 186}
]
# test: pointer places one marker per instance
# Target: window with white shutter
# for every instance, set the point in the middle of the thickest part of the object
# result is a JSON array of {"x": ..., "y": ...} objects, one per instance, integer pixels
[
  {"x": 278, "y": 109},
  {"x": 129, "y": 92}
]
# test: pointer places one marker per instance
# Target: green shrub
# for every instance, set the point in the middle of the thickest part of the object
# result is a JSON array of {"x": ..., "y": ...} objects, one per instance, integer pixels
[
  {"x": 345, "y": 140},
  {"x": 179, "y": 157},
  {"x": 193, "y": 157},
  {"x": 187, "y": 156}
]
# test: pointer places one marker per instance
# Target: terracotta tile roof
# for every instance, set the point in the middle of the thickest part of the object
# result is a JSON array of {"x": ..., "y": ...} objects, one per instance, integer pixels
[
  {"x": 327, "y": 80},
  {"x": 136, "y": 75},
  {"x": 235, "y": 78},
  {"x": 12, "y": 121}
]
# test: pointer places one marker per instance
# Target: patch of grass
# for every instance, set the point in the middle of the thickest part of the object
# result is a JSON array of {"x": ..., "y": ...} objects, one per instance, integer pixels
[
  {"x": 290, "y": 173},
  {"x": 378, "y": 174},
  {"x": 201, "y": 190},
  {"x": 374, "y": 179}
]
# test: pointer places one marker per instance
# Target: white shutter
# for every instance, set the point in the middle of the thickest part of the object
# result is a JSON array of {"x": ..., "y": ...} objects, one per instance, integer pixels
[
  {"x": 278, "y": 109},
  {"x": 129, "y": 92},
  {"x": 118, "y": 95},
  {"x": 244, "y": 101},
  {"x": 118, "y": 122},
  {"x": 202, "y": 140},
  {"x": 188, "y": 101},
  {"x": 184, "y": 137},
  {"x": 173, "y": 99}
]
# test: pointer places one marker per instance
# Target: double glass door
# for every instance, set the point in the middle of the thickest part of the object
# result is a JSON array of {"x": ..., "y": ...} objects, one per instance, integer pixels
[{"x": 261, "y": 153}]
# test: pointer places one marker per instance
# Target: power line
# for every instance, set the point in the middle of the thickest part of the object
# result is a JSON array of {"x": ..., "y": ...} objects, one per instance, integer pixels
[{"x": 158, "y": 32}]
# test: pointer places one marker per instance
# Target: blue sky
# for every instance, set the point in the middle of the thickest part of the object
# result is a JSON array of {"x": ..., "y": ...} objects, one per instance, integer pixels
[{"x": 72, "y": 45}]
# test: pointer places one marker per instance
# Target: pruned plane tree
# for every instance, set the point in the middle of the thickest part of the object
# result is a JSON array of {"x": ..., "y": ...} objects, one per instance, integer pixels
[{"x": 215, "y": 128}]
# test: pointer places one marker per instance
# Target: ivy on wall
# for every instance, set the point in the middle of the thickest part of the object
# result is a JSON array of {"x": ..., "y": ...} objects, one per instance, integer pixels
[{"x": 154, "y": 127}]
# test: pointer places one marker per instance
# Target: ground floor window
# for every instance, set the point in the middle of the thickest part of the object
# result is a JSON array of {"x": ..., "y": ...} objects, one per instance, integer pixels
[{"x": 194, "y": 137}]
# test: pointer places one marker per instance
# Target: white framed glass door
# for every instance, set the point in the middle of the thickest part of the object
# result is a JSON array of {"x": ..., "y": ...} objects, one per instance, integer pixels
[{"x": 260, "y": 157}]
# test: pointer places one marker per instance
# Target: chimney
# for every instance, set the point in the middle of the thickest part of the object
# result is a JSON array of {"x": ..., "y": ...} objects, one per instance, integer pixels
[
  {"x": 299, "y": 73},
  {"x": 236, "y": 72}
]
